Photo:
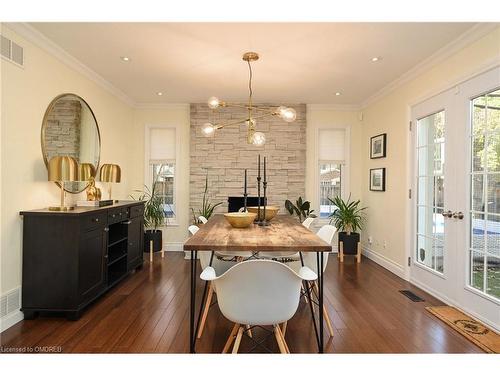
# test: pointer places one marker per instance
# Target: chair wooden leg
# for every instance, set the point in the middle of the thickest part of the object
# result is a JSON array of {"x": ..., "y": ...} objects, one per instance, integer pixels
[
  {"x": 238, "y": 340},
  {"x": 249, "y": 331},
  {"x": 230, "y": 339},
  {"x": 304, "y": 293},
  {"x": 325, "y": 313},
  {"x": 206, "y": 308},
  {"x": 358, "y": 256},
  {"x": 283, "y": 330},
  {"x": 341, "y": 252},
  {"x": 282, "y": 336},
  {"x": 281, "y": 345}
]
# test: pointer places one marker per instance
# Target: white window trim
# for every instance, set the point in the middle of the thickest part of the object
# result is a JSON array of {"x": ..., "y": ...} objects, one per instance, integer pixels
[
  {"x": 147, "y": 168},
  {"x": 345, "y": 177}
]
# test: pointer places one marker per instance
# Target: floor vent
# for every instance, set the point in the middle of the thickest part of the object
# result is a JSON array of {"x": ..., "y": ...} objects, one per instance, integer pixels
[
  {"x": 412, "y": 296},
  {"x": 10, "y": 302}
]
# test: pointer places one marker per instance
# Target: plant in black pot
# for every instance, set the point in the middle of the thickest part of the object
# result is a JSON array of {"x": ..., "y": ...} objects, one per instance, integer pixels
[
  {"x": 348, "y": 217},
  {"x": 207, "y": 208},
  {"x": 154, "y": 214}
]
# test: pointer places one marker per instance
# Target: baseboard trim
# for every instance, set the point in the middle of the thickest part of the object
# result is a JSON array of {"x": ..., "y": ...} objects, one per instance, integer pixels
[
  {"x": 11, "y": 319},
  {"x": 173, "y": 246},
  {"x": 492, "y": 325},
  {"x": 381, "y": 260}
]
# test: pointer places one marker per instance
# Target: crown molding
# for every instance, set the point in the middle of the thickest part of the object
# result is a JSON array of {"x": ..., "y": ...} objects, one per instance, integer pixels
[
  {"x": 147, "y": 105},
  {"x": 36, "y": 37},
  {"x": 470, "y": 36},
  {"x": 334, "y": 107}
]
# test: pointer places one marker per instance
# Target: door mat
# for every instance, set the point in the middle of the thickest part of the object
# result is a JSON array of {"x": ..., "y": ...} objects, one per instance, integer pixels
[{"x": 470, "y": 328}]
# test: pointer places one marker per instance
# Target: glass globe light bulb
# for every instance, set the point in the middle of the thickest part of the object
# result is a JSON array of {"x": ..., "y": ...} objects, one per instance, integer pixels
[
  {"x": 259, "y": 139},
  {"x": 213, "y": 102},
  {"x": 208, "y": 129},
  {"x": 281, "y": 110},
  {"x": 289, "y": 115}
]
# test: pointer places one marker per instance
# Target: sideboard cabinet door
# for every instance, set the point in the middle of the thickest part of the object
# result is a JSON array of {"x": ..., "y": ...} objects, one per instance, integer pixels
[
  {"x": 92, "y": 264},
  {"x": 135, "y": 238}
]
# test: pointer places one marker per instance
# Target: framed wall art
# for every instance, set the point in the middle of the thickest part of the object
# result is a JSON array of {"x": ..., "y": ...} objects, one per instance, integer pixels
[
  {"x": 378, "y": 146},
  {"x": 377, "y": 179}
]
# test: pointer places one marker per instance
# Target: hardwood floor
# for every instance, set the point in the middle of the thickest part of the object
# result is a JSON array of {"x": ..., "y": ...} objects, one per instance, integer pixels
[{"x": 149, "y": 312}]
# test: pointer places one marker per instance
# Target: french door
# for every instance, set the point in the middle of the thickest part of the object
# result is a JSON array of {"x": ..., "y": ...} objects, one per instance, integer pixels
[{"x": 456, "y": 241}]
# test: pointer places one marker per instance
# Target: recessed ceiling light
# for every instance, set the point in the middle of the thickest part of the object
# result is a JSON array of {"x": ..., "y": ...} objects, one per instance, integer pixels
[
  {"x": 338, "y": 93},
  {"x": 159, "y": 93},
  {"x": 125, "y": 58},
  {"x": 376, "y": 58}
]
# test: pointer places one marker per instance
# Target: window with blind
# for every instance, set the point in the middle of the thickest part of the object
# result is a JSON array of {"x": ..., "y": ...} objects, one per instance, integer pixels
[
  {"x": 162, "y": 151},
  {"x": 331, "y": 157}
]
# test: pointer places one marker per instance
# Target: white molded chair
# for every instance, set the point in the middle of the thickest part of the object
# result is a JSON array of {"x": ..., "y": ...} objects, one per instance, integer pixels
[
  {"x": 202, "y": 219},
  {"x": 326, "y": 233},
  {"x": 285, "y": 254},
  {"x": 258, "y": 292},
  {"x": 219, "y": 266}
]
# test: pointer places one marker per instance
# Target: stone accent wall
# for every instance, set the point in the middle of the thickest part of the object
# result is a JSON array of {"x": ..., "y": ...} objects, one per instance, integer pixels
[
  {"x": 226, "y": 155},
  {"x": 62, "y": 134}
]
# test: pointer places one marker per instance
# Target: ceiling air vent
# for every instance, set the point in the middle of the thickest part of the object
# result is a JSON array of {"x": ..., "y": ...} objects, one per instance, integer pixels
[{"x": 12, "y": 51}]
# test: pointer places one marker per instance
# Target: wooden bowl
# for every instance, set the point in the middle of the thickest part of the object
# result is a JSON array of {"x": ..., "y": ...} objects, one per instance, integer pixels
[
  {"x": 240, "y": 219},
  {"x": 271, "y": 211}
]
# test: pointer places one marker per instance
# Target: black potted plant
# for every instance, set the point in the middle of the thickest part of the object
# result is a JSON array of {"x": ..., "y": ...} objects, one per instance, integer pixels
[
  {"x": 348, "y": 217},
  {"x": 154, "y": 215},
  {"x": 301, "y": 208}
]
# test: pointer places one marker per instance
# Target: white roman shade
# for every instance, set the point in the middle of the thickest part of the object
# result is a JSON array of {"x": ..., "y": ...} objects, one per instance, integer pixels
[
  {"x": 162, "y": 144},
  {"x": 332, "y": 145}
]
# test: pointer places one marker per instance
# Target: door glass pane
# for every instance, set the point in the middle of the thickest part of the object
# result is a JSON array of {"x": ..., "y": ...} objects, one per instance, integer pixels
[
  {"x": 431, "y": 189},
  {"x": 477, "y": 270},
  {"x": 485, "y": 193},
  {"x": 329, "y": 186},
  {"x": 493, "y": 276}
]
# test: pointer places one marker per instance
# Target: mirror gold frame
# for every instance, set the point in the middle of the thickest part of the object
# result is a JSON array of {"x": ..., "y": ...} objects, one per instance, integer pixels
[{"x": 43, "y": 134}]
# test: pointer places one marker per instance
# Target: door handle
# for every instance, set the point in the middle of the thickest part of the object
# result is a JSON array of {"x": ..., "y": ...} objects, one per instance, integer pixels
[
  {"x": 447, "y": 214},
  {"x": 458, "y": 215}
]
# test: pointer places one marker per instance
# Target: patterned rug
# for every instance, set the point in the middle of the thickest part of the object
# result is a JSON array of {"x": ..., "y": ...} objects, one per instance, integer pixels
[{"x": 471, "y": 329}]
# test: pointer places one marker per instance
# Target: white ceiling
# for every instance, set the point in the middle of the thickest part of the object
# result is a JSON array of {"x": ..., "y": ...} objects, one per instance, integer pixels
[{"x": 300, "y": 62}]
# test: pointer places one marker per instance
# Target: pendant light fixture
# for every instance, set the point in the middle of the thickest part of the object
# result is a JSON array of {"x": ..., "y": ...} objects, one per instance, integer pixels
[{"x": 254, "y": 112}]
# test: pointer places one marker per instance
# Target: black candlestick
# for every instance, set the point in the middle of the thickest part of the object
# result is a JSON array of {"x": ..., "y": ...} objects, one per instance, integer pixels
[
  {"x": 245, "y": 195},
  {"x": 258, "y": 194},
  {"x": 264, "y": 222}
]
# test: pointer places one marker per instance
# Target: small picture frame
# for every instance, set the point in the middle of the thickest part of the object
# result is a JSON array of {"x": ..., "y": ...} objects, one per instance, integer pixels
[
  {"x": 378, "y": 146},
  {"x": 377, "y": 179}
]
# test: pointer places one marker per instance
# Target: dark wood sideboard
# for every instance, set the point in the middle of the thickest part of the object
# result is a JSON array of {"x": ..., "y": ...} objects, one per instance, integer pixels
[{"x": 71, "y": 258}]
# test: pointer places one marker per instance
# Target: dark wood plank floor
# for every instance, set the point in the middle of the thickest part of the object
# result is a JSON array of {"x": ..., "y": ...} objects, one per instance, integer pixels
[{"x": 149, "y": 312}]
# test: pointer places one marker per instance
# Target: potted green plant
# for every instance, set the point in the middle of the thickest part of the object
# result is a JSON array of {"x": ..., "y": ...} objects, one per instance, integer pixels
[
  {"x": 348, "y": 217},
  {"x": 207, "y": 208},
  {"x": 154, "y": 214},
  {"x": 301, "y": 208}
]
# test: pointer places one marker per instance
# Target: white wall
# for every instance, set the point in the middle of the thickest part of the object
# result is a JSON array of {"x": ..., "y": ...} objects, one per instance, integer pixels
[
  {"x": 171, "y": 115},
  {"x": 26, "y": 93},
  {"x": 387, "y": 213}
]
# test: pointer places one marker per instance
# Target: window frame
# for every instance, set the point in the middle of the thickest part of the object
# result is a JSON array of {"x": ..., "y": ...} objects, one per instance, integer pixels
[{"x": 148, "y": 163}]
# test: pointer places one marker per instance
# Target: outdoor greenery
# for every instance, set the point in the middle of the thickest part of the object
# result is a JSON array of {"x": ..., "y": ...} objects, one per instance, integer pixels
[
  {"x": 348, "y": 216},
  {"x": 207, "y": 208},
  {"x": 301, "y": 208}
]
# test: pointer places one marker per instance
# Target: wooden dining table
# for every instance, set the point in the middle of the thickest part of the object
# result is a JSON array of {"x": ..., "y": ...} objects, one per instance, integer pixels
[{"x": 283, "y": 233}]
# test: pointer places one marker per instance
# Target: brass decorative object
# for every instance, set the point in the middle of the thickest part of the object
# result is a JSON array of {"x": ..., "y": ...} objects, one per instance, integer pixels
[
  {"x": 110, "y": 173},
  {"x": 253, "y": 137},
  {"x": 93, "y": 192},
  {"x": 62, "y": 169},
  {"x": 62, "y": 136},
  {"x": 271, "y": 212},
  {"x": 86, "y": 172},
  {"x": 240, "y": 219}
]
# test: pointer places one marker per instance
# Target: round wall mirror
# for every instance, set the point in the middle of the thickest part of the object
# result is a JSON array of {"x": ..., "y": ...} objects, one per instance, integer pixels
[{"x": 69, "y": 128}]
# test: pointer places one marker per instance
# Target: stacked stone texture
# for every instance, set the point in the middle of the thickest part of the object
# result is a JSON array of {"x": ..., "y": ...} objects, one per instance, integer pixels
[{"x": 226, "y": 155}]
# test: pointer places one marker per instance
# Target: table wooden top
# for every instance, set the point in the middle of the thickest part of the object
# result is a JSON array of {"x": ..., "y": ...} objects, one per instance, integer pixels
[{"x": 284, "y": 233}]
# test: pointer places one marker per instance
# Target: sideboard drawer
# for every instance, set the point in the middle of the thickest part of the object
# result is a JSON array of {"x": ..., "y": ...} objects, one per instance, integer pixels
[
  {"x": 137, "y": 210},
  {"x": 94, "y": 221},
  {"x": 116, "y": 215}
]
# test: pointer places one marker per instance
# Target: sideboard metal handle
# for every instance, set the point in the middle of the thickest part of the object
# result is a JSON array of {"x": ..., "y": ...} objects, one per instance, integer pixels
[
  {"x": 106, "y": 229},
  {"x": 128, "y": 222}
]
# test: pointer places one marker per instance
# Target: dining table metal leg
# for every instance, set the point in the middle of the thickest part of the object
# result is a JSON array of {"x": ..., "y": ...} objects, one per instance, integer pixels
[
  {"x": 308, "y": 292},
  {"x": 319, "y": 262},
  {"x": 192, "y": 333}
]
